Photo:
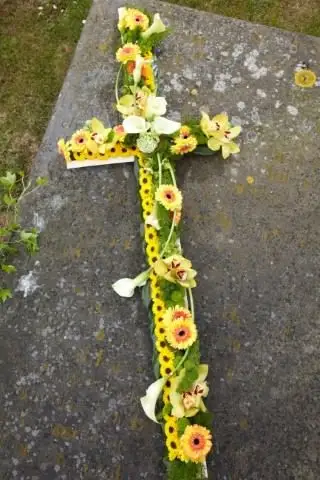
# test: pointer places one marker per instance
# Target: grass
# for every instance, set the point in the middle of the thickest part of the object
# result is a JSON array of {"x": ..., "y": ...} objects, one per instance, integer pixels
[
  {"x": 36, "y": 46},
  {"x": 295, "y": 15}
]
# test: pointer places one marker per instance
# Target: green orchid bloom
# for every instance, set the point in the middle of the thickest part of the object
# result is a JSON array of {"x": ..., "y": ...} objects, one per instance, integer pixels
[{"x": 188, "y": 404}]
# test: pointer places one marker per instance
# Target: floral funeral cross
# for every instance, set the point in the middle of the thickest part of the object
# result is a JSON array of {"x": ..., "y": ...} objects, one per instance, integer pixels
[{"x": 155, "y": 143}]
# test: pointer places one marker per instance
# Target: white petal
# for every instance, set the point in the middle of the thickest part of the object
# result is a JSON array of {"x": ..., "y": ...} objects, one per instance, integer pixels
[
  {"x": 164, "y": 126},
  {"x": 124, "y": 287},
  {"x": 137, "y": 70},
  {"x": 122, "y": 13},
  {"x": 156, "y": 106},
  {"x": 150, "y": 400},
  {"x": 135, "y": 124},
  {"x": 152, "y": 219}
]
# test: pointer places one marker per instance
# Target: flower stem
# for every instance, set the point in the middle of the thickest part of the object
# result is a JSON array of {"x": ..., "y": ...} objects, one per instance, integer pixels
[
  {"x": 117, "y": 84},
  {"x": 183, "y": 359},
  {"x": 160, "y": 169},
  {"x": 163, "y": 251},
  {"x": 191, "y": 302},
  {"x": 172, "y": 174}
]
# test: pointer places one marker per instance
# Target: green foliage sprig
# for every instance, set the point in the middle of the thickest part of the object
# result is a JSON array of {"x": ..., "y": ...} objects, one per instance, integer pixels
[{"x": 13, "y": 188}]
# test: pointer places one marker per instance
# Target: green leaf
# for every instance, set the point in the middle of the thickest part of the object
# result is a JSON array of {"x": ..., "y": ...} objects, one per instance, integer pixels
[
  {"x": 182, "y": 424},
  {"x": 30, "y": 240},
  {"x": 9, "y": 180},
  {"x": 5, "y": 293},
  {"x": 188, "y": 380},
  {"x": 203, "y": 418},
  {"x": 203, "y": 151},
  {"x": 167, "y": 409},
  {"x": 8, "y": 200},
  {"x": 8, "y": 268},
  {"x": 178, "y": 470},
  {"x": 42, "y": 181},
  {"x": 145, "y": 293}
]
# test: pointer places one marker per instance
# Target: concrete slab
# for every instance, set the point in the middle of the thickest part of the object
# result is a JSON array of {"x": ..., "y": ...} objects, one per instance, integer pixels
[{"x": 75, "y": 358}]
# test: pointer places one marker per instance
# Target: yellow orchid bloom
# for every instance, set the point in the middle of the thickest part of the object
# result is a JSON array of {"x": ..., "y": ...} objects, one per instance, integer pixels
[
  {"x": 209, "y": 127},
  {"x": 188, "y": 404},
  {"x": 176, "y": 269}
]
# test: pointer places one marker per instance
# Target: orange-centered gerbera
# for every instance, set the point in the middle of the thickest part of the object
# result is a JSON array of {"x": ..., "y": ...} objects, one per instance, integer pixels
[
  {"x": 169, "y": 196},
  {"x": 128, "y": 52},
  {"x": 176, "y": 313},
  {"x": 196, "y": 443},
  {"x": 184, "y": 145},
  {"x": 181, "y": 334},
  {"x": 135, "y": 18}
]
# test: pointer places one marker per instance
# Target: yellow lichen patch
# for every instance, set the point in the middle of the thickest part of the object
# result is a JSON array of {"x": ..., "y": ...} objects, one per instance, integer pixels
[
  {"x": 244, "y": 424},
  {"x": 100, "y": 336},
  {"x": 250, "y": 180},
  {"x": 23, "y": 450},
  {"x": 64, "y": 432},
  {"x": 224, "y": 221},
  {"x": 236, "y": 345},
  {"x": 239, "y": 188},
  {"x": 99, "y": 357}
]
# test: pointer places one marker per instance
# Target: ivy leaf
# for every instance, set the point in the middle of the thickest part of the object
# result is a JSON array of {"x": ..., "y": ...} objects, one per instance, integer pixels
[
  {"x": 5, "y": 293},
  {"x": 188, "y": 380},
  {"x": 203, "y": 418},
  {"x": 8, "y": 268},
  {"x": 8, "y": 200},
  {"x": 42, "y": 181},
  {"x": 203, "y": 151},
  {"x": 182, "y": 424},
  {"x": 145, "y": 293},
  {"x": 30, "y": 240},
  {"x": 9, "y": 180}
]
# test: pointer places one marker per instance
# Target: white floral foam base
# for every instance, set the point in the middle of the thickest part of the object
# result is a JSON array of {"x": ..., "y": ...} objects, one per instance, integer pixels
[{"x": 97, "y": 163}]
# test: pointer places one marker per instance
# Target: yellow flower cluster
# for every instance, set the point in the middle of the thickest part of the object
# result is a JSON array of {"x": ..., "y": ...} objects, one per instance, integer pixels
[
  {"x": 132, "y": 18},
  {"x": 172, "y": 438},
  {"x": 117, "y": 150}
]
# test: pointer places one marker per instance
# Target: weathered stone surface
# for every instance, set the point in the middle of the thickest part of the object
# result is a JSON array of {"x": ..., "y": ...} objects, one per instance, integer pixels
[{"x": 75, "y": 358}]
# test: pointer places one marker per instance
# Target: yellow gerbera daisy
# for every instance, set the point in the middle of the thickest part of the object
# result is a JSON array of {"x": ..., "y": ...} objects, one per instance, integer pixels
[
  {"x": 305, "y": 78},
  {"x": 166, "y": 395},
  {"x": 166, "y": 356},
  {"x": 152, "y": 252},
  {"x": 176, "y": 313},
  {"x": 166, "y": 370},
  {"x": 160, "y": 333},
  {"x": 184, "y": 145},
  {"x": 196, "y": 443},
  {"x": 172, "y": 444},
  {"x": 128, "y": 52},
  {"x": 181, "y": 334},
  {"x": 158, "y": 307},
  {"x": 79, "y": 140},
  {"x": 134, "y": 19},
  {"x": 169, "y": 196},
  {"x": 161, "y": 345},
  {"x": 170, "y": 427},
  {"x": 184, "y": 132}
]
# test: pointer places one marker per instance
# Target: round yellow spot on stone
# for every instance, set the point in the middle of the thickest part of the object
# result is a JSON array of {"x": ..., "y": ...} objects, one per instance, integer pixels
[
  {"x": 250, "y": 180},
  {"x": 305, "y": 78}
]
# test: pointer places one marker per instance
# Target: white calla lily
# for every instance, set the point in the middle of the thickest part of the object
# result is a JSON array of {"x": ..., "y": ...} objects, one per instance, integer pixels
[
  {"x": 152, "y": 219},
  {"x": 157, "y": 27},
  {"x": 137, "y": 69},
  {"x": 149, "y": 401},
  {"x": 155, "y": 106},
  {"x": 122, "y": 12},
  {"x": 135, "y": 124},
  {"x": 163, "y": 126},
  {"x": 125, "y": 287}
]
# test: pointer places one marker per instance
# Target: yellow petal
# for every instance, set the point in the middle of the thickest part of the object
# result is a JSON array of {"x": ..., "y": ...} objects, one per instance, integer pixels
[
  {"x": 222, "y": 120},
  {"x": 97, "y": 126},
  {"x": 214, "y": 144}
]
